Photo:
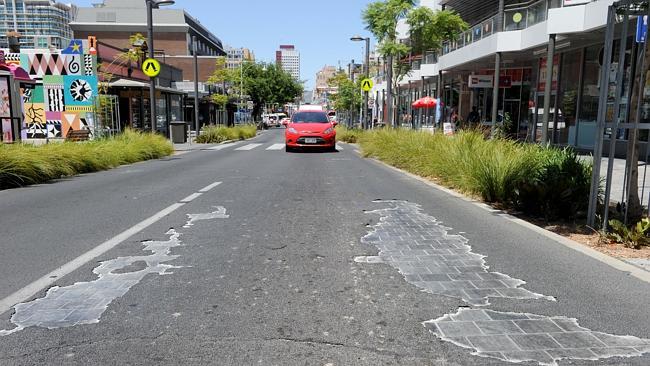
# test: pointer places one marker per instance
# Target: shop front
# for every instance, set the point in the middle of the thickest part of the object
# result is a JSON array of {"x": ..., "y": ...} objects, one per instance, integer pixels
[{"x": 135, "y": 108}]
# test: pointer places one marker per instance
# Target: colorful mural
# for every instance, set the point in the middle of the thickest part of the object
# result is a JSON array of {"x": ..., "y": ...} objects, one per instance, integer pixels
[{"x": 65, "y": 90}]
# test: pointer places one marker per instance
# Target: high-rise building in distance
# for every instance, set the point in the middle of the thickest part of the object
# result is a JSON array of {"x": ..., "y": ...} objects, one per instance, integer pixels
[
  {"x": 288, "y": 58},
  {"x": 40, "y": 23}
]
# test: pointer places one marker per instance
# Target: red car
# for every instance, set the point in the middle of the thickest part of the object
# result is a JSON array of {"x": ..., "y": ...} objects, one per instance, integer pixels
[{"x": 310, "y": 129}]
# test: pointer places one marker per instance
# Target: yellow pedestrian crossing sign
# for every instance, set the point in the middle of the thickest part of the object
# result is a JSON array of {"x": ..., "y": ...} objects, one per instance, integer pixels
[
  {"x": 151, "y": 67},
  {"x": 366, "y": 84}
]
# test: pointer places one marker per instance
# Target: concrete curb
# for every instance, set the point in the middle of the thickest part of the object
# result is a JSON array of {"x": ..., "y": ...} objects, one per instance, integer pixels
[{"x": 618, "y": 264}]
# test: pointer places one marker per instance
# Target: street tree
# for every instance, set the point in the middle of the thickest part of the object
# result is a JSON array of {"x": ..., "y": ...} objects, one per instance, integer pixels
[
  {"x": 348, "y": 96},
  {"x": 268, "y": 84},
  {"x": 222, "y": 77},
  {"x": 428, "y": 29}
]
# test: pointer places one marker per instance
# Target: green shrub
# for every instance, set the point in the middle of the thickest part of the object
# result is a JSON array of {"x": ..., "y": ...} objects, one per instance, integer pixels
[
  {"x": 538, "y": 180},
  {"x": 217, "y": 134},
  {"x": 634, "y": 237},
  {"x": 25, "y": 164}
]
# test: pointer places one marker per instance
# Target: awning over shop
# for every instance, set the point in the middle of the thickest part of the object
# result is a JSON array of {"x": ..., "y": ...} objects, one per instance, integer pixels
[{"x": 126, "y": 83}]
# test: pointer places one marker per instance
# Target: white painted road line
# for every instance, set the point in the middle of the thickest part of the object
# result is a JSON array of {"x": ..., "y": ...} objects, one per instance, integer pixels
[
  {"x": 339, "y": 147},
  {"x": 191, "y": 197},
  {"x": 248, "y": 147},
  {"x": 275, "y": 147},
  {"x": 210, "y": 187},
  {"x": 49, "y": 279},
  {"x": 224, "y": 146}
]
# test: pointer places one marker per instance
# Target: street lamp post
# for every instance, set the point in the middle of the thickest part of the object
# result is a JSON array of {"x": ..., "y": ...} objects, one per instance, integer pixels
[
  {"x": 153, "y": 4},
  {"x": 366, "y": 71}
]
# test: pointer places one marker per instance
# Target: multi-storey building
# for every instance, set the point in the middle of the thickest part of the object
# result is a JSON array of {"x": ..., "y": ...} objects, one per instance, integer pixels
[
  {"x": 40, "y": 23},
  {"x": 323, "y": 89},
  {"x": 289, "y": 59},
  {"x": 515, "y": 39},
  {"x": 114, "y": 21},
  {"x": 235, "y": 56}
]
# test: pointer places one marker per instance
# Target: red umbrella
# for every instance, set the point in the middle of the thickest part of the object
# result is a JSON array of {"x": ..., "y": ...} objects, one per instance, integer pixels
[{"x": 426, "y": 102}]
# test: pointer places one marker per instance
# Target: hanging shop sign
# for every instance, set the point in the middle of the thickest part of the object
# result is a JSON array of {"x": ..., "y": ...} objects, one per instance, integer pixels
[
  {"x": 641, "y": 28},
  {"x": 480, "y": 81}
]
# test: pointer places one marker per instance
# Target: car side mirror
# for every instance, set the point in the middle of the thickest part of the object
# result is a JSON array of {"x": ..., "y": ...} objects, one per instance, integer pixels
[
  {"x": 285, "y": 123},
  {"x": 334, "y": 123}
]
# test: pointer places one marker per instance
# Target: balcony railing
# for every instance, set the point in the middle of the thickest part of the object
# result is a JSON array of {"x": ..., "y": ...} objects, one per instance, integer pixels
[{"x": 514, "y": 18}]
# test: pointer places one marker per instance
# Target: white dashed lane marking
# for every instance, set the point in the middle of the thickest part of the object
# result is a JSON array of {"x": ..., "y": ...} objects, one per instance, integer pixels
[
  {"x": 275, "y": 147},
  {"x": 248, "y": 147},
  {"x": 224, "y": 146}
]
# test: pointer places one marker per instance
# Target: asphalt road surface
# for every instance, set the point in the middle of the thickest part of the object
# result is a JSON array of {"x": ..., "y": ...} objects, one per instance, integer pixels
[{"x": 244, "y": 254}]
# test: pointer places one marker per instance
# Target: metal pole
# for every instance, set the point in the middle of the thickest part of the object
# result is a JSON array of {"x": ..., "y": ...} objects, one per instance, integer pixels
[
  {"x": 495, "y": 92},
  {"x": 196, "y": 87},
  {"x": 617, "y": 109},
  {"x": 389, "y": 91},
  {"x": 241, "y": 82},
  {"x": 367, "y": 72},
  {"x": 550, "y": 55},
  {"x": 602, "y": 111},
  {"x": 152, "y": 82}
]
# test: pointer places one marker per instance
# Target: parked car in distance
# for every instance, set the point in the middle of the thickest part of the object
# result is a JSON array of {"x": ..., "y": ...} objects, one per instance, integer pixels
[{"x": 311, "y": 107}]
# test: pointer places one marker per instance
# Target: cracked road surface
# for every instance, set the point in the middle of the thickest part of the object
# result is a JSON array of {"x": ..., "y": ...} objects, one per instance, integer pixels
[{"x": 276, "y": 282}]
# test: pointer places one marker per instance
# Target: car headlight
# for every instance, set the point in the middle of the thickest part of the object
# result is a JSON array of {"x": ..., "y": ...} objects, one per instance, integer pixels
[
  {"x": 292, "y": 130},
  {"x": 328, "y": 131}
]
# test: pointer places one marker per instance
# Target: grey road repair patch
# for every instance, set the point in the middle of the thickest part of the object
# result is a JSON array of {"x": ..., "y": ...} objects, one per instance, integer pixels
[
  {"x": 517, "y": 337},
  {"x": 85, "y": 302},
  {"x": 423, "y": 251}
]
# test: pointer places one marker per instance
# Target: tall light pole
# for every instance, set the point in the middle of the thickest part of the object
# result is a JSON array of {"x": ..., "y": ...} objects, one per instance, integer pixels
[
  {"x": 197, "y": 127},
  {"x": 153, "y": 4},
  {"x": 241, "y": 83},
  {"x": 366, "y": 71}
]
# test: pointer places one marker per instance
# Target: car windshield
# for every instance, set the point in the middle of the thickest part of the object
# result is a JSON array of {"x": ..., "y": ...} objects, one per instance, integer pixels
[{"x": 310, "y": 117}]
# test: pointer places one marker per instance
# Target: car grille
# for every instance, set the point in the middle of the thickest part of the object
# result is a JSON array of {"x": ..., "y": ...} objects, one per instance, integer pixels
[{"x": 319, "y": 140}]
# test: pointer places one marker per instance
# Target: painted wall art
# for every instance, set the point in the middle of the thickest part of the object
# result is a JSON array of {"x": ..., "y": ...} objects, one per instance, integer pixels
[{"x": 66, "y": 87}]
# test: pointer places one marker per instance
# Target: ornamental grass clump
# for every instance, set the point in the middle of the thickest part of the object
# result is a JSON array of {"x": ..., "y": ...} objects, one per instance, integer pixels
[
  {"x": 218, "y": 134},
  {"x": 349, "y": 135},
  {"x": 25, "y": 164},
  {"x": 542, "y": 181}
]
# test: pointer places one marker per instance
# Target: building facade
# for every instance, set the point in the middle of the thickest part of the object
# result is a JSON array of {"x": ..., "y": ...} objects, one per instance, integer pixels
[
  {"x": 323, "y": 89},
  {"x": 114, "y": 21},
  {"x": 289, "y": 59},
  {"x": 235, "y": 56},
  {"x": 41, "y": 24},
  {"x": 516, "y": 42}
]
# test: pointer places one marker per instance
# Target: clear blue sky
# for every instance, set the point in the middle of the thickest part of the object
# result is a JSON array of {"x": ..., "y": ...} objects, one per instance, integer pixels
[{"x": 320, "y": 29}]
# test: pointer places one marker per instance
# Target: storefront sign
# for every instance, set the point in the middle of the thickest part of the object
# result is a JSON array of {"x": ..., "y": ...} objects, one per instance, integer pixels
[
  {"x": 641, "y": 28},
  {"x": 575, "y": 2},
  {"x": 480, "y": 81},
  {"x": 541, "y": 85}
]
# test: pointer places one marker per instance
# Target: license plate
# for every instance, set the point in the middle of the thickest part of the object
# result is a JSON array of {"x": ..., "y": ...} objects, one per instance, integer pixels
[{"x": 311, "y": 141}]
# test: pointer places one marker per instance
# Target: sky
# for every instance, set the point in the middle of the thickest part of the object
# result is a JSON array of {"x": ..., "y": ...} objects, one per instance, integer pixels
[{"x": 320, "y": 30}]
